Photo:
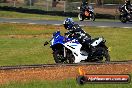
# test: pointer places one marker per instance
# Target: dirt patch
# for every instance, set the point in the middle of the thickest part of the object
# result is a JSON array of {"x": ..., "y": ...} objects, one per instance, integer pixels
[{"x": 61, "y": 72}]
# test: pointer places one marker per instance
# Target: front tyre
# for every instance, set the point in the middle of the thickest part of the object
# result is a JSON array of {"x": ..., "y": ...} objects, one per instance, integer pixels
[
  {"x": 59, "y": 57},
  {"x": 80, "y": 17}
]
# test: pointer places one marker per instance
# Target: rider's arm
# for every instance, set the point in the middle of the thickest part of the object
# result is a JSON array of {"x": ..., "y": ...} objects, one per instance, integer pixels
[{"x": 126, "y": 9}]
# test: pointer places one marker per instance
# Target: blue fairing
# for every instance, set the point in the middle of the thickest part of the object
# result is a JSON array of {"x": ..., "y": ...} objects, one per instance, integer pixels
[{"x": 58, "y": 39}]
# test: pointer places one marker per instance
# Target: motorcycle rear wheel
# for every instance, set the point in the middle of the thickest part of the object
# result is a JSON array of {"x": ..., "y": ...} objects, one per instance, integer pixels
[
  {"x": 92, "y": 18},
  {"x": 106, "y": 55},
  {"x": 123, "y": 19}
]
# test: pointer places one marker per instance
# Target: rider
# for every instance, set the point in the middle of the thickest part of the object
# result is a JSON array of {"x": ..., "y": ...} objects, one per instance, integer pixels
[
  {"x": 77, "y": 32},
  {"x": 83, "y": 6},
  {"x": 126, "y": 6}
]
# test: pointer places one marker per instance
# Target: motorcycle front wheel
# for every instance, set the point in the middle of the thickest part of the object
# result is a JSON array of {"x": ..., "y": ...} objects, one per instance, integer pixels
[
  {"x": 59, "y": 57},
  {"x": 80, "y": 17}
]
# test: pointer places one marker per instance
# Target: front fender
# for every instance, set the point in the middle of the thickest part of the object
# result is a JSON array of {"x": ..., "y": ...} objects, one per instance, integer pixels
[{"x": 57, "y": 46}]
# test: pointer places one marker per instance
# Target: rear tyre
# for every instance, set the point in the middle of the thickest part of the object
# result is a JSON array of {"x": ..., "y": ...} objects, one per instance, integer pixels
[
  {"x": 92, "y": 18},
  {"x": 123, "y": 19},
  {"x": 106, "y": 55},
  {"x": 103, "y": 55}
]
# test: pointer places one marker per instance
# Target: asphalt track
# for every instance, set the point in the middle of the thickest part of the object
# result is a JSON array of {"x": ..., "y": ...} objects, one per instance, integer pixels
[{"x": 82, "y": 23}]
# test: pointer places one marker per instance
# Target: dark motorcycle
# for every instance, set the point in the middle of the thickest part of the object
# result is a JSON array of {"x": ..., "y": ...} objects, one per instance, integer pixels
[
  {"x": 124, "y": 16},
  {"x": 87, "y": 13}
]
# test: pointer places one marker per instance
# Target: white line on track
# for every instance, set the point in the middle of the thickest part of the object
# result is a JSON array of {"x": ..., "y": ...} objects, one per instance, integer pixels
[
  {"x": 15, "y": 22},
  {"x": 31, "y": 23},
  {"x": 103, "y": 26},
  {"x": 126, "y": 27},
  {"x": 57, "y": 24}
]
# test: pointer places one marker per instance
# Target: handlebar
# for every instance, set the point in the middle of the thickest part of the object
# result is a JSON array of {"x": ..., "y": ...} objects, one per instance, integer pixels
[{"x": 46, "y": 43}]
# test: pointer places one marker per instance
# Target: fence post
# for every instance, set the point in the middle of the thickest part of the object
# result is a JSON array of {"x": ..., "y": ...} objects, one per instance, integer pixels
[
  {"x": 14, "y": 3},
  {"x": 64, "y": 6},
  {"x": 47, "y": 5},
  {"x": 30, "y": 2}
]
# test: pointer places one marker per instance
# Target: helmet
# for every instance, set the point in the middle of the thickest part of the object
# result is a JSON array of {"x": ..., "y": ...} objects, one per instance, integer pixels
[
  {"x": 68, "y": 23},
  {"x": 85, "y": 3},
  {"x": 127, "y": 1}
]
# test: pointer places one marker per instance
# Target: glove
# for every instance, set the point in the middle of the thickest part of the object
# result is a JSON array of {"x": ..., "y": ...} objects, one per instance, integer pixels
[{"x": 46, "y": 43}]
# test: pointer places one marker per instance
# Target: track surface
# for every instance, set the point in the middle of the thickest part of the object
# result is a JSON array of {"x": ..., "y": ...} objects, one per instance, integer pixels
[{"x": 83, "y": 23}]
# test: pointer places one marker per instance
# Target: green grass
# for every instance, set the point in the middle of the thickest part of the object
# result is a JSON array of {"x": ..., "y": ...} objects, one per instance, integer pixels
[
  {"x": 23, "y": 44},
  {"x": 69, "y": 83},
  {"x": 10, "y": 14}
]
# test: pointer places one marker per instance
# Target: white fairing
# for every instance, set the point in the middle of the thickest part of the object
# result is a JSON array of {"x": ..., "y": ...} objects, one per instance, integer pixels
[
  {"x": 52, "y": 41},
  {"x": 75, "y": 48},
  {"x": 96, "y": 42}
]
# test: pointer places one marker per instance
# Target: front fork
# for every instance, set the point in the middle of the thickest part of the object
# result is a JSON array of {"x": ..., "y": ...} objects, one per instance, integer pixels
[{"x": 64, "y": 52}]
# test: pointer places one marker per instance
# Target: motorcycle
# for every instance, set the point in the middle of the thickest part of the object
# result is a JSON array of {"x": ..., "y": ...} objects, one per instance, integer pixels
[
  {"x": 69, "y": 50},
  {"x": 88, "y": 13},
  {"x": 124, "y": 17}
]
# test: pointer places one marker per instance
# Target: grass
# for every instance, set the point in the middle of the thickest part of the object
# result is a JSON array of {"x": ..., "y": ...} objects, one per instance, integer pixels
[
  {"x": 10, "y": 14},
  {"x": 23, "y": 43},
  {"x": 69, "y": 83}
]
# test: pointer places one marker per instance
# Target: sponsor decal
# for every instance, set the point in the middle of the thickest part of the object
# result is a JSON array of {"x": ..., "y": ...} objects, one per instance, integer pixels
[{"x": 102, "y": 78}]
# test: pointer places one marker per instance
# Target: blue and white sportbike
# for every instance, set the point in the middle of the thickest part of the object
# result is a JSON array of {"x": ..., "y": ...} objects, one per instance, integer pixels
[{"x": 69, "y": 50}]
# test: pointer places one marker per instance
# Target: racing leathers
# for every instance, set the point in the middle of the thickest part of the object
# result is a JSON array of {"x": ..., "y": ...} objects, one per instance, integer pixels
[
  {"x": 126, "y": 8},
  {"x": 83, "y": 6},
  {"x": 84, "y": 38}
]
